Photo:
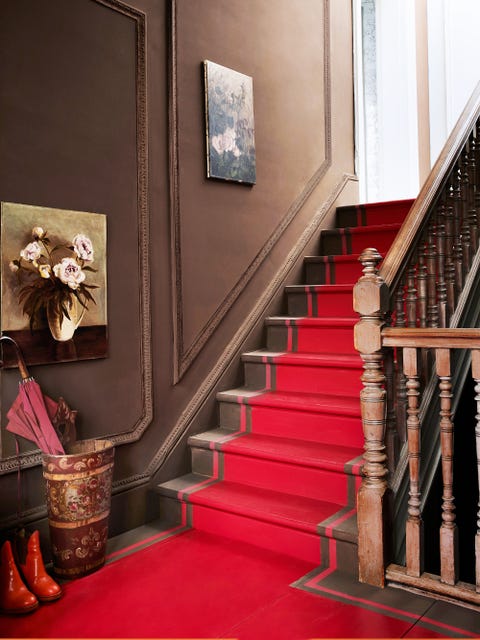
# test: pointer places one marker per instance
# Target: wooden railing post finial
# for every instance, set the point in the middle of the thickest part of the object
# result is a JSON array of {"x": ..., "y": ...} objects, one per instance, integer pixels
[{"x": 370, "y": 301}]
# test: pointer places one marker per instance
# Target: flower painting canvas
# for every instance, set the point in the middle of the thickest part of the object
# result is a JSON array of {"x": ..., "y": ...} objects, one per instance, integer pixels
[
  {"x": 229, "y": 124},
  {"x": 54, "y": 283}
]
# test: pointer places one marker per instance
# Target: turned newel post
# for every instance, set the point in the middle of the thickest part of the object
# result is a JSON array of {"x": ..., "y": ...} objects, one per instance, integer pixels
[{"x": 370, "y": 301}]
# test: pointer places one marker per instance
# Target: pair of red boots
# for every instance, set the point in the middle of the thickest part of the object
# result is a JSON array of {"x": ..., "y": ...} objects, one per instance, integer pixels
[{"x": 24, "y": 581}]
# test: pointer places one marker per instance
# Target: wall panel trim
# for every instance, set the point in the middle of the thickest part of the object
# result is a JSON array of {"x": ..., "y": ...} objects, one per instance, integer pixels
[
  {"x": 34, "y": 458},
  {"x": 183, "y": 357}
]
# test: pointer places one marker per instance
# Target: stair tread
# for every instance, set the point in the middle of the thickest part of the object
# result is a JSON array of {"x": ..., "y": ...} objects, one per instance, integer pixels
[
  {"x": 347, "y": 257},
  {"x": 294, "y": 511},
  {"x": 389, "y": 226},
  {"x": 336, "y": 321},
  {"x": 314, "y": 402},
  {"x": 347, "y": 360},
  {"x": 318, "y": 288},
  {"x": 403, "y": 202},
  {"x": 289, "y": 450}
]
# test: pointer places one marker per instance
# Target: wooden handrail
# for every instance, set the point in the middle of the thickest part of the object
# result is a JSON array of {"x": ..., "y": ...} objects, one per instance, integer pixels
[
  {"x": 398, "y": 252},
  {"x": 431, "y": 338}
]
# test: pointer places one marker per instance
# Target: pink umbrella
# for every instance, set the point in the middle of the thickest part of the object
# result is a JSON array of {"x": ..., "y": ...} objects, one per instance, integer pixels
[{"x": 30, "y": 414}]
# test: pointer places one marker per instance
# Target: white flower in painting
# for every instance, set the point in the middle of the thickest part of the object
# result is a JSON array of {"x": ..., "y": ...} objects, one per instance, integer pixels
[
  {"x": 82, "y": 245},
  {"x": 69, "y": 272},
  {"x": 226, "y": 141},
  {"x": 13, "y": 267},
  {"x": 31, "y": 252},
  {"x": 38, "y": 232},
  {"x": 217, "y": 144}
]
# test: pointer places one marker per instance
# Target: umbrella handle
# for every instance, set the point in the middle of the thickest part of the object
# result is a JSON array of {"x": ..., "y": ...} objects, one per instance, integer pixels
[{"x": 21, "y": 362}]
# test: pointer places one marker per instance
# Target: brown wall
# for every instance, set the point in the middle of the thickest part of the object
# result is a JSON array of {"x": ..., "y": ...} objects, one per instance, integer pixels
[{"x": 101, "y": 109}]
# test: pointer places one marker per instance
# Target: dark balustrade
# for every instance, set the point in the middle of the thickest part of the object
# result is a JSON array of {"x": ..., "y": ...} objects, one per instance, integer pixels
[{"x": 410, "y": 313}]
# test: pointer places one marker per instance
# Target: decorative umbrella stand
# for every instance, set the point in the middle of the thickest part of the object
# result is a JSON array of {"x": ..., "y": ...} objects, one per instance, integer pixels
[
  {"x": 78, "y": 476},
  {"x": 78, "y": 487}
]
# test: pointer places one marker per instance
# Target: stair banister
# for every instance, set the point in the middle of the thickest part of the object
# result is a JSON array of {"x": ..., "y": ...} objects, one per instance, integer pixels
[
  {"x": 421, "y": 280},
  {"x": 444, "y": 342},
  {"x": 405, "y": 240}
]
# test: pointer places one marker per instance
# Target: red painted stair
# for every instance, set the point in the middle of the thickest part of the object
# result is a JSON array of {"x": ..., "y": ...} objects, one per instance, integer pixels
[{"x": 282, "y": 468}]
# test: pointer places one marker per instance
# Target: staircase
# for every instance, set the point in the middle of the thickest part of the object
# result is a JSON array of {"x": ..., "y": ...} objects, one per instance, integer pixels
[{"x": 282, "y": 468}]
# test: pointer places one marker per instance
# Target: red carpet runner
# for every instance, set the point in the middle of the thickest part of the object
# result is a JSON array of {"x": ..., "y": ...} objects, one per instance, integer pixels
[{"x": 282, "y": 469}]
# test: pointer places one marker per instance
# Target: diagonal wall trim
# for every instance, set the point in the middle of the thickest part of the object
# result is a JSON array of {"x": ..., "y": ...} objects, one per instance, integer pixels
[
  {"x": 34, "y": 458},
  {"x": 233, "y": 348},
  {"x": 183, "y": 358}
]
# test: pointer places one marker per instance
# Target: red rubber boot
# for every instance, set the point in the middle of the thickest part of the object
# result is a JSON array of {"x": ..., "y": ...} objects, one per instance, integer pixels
[
  {"x": 15, "y": 598},
  {"x": 34, "y": 573}
]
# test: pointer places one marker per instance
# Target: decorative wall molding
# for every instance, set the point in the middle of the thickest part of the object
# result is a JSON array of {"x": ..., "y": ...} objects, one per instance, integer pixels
[
  {"x": 34, "y": 458},
  {"x": 183, "y": 358}
]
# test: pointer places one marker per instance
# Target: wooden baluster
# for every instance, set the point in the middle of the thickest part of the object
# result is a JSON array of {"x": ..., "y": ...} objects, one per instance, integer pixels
[
  {"x": 448, "y": 530},
  {"x": 466, "y": 253},
  {"x": 411, "y": 299},
  {"x": 441, "y": 283},
  {"x": 457, "y": 241},
  {"x": 414, "y": 528},
  {"x": 400, "y": 317},
  {"x": 472, "y": 178},
  {"x": 477, "y": 166},
  {"x": 476, "y": 377},
  {"x": 400, "y": 389},
  {"x": 391, "y": 434},
  {"x": 432, "y": 308},
  {"x": 370, "y": 300},
  {"x": 465, "y": 228},
  {"x": 449, "y": 261},
  {"x": 421, "y": 286},
  {"x": 422, "y": 307},
  {"x": 450, "y": 286}
]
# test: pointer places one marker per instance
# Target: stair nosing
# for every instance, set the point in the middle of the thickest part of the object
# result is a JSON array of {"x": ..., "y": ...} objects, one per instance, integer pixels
[
  {"x": 392, "y": 226},
  {"x": 202, "y": 441},
  {"x": 342, "y": 321},
  {"x": 346, "y": 360},
  {"x": 319, "y": 288},
  {"x": 265, "y": 398}
]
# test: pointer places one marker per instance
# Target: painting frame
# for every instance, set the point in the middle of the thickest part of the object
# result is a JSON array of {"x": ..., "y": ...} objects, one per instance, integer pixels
[
  {"x": 53, "y": 283},
  {"x": 230, "y": 124}
]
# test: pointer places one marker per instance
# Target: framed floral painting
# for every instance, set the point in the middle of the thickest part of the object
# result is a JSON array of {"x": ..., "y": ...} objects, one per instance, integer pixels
[
  {"x": 54, "y": 283},
  {"x": 229, "y": 124}
]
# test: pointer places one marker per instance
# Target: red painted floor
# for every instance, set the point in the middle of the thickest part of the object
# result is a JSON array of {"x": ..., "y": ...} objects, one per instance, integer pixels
[{"x": 197, "y": 585}]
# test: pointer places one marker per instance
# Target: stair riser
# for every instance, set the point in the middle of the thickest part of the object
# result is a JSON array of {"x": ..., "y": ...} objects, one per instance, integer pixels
[
  {"x": 332, "y": 340},
  {"x": 310, "y": 339},
  {"x": 315, "y": 379},
  {"x": 332, "y": 272},
  {"x": 287, "y": 423},
  {"x": 340, "y": 555},
  {"x": 364, "y": 215},
  {"x": 202, "y": 461},
  {"x": 338, "y": 243},
  {"x": 294, "y": 479},
  {"x": 326, "y": 429},
  {"x": 171, "y": 510},
  {"x": 313, "y": 304},
  {"x": 297, "y": 544}
]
